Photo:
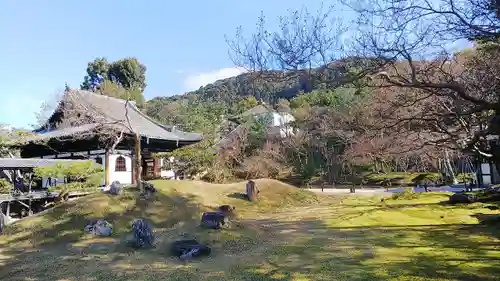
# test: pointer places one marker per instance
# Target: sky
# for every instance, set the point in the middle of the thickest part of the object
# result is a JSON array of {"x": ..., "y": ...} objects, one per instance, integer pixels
[{"x": 45, "y": 44}]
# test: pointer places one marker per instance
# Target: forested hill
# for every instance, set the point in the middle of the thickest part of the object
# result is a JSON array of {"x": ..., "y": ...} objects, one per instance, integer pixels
[{"x": 270, "y": 86}]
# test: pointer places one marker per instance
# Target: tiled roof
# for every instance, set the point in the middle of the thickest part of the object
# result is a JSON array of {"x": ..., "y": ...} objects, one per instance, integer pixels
[{"x": 119, "y": 114}]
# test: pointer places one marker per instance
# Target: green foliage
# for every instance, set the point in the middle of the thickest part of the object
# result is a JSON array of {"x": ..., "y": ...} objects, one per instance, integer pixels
[
  {"x": 465, "y": 177},
  {"x": 200, "y": 117},
  {"x": 110, "y": 88},
  {"x": 79, "y": 175},
  {"x": 194, "y": 158},
  {"x": 96, "y": 71},
  {"x": 338, "y": 98},
  {"x": 247, "y": 103},
  {"x": 427, "y": 178},
  {"x": 128, "y": 73},
  {"x": 5, "y": 186},
  {"x": 400, "y": 178},
  {"x": 406, "y": 194}
]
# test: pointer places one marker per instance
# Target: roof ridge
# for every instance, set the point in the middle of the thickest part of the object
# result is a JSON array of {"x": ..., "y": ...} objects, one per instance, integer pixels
[{"x": 101, "y": 96}]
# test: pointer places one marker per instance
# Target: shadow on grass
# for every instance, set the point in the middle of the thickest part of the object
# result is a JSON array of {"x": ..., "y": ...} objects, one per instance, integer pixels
[
  {"x": 237, "y": 195},
  {"x": 284, "y": 250}
]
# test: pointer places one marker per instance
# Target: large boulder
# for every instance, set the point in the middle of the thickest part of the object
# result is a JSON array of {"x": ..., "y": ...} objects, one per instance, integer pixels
[
  {"x": 142, "y": 234},
  {"x": 116, "y": 188},
  {"x": 252, "y": 191},
  {"x": 148, "y": 189},
  {"x": 462, "y": 198},
  {"x": 214, "y": 220},
  {"x": 188, "y": 249},
  {"x": 99, "y": 228}
]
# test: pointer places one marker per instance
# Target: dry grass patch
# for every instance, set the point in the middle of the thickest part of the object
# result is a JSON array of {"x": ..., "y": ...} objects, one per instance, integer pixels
[{"x": 289, "y": 235}]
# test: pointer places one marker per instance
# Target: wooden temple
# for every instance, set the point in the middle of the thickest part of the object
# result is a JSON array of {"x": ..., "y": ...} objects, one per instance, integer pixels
[{"x": 60, "y": 139}]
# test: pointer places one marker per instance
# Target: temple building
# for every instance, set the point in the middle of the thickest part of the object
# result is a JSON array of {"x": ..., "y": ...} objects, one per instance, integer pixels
[{"x": 86, "y": 125}]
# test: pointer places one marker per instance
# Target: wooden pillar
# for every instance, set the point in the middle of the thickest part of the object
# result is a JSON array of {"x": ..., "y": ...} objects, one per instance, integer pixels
[
  {"x": 156, "y": 167},
  {"x": 133, "y": 169},
  {"x": 138, "y": 166},
  {"x": 106, "y": 167}
]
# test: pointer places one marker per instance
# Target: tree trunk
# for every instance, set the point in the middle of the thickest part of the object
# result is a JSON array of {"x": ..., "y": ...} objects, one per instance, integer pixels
[
  {"x": 450, "y": 168},
  {"x": 138, "y": 166}
]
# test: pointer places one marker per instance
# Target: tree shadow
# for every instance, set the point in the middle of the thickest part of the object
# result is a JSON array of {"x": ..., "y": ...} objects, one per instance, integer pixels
[
  {"x": 238, "y": 195},
  {"x": 259, "y": 249}
]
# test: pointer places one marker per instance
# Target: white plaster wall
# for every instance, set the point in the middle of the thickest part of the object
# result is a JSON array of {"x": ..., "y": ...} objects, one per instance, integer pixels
[
  {"x": 281, "y": 119},
  {"x": 485, "y": 169},
  {"x": 122, "y": 177}
]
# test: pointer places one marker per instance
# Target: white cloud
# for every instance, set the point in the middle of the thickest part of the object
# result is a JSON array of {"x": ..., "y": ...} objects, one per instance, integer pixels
[{"x": 194, "y": 82}]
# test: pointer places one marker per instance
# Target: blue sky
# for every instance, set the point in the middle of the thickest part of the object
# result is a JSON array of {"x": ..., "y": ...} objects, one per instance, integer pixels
[{"x": 46, "y": 44}]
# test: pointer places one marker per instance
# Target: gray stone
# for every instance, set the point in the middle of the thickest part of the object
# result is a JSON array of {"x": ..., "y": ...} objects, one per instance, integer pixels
[
  {"x": 252, "y": 191},
  {"x": 462, "y": 198},
  {"x": 116, "y": 188},
  {"x": 214, "y": 220},
  {"x": 148, "y": 190},
  {"x": 99, "y": 228},
  {"x": 143, "y": 236}
]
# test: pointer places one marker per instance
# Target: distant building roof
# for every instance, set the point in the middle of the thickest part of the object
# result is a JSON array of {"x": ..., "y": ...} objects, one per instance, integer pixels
[{"x": 118, "y": 114}]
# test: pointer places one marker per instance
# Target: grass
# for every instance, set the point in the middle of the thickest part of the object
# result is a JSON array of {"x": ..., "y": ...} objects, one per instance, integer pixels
[{"x": 289, "y": 234}]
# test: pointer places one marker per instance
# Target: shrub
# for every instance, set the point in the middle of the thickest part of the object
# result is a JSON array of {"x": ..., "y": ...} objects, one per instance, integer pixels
[
  {"x": 81, "y": 175},
  {"x": 5, "y": 186},
  {"x": 465, "y": 177},
  {"x": 427, "y": 178},
  {"x": 405, "y": 195}
]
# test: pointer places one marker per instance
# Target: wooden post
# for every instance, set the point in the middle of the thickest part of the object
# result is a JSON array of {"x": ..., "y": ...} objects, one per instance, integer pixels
[
  {"x": 29, "y": 192},
  {"x": 137, "y": 158},
  {"x": 106, "y": 168}
]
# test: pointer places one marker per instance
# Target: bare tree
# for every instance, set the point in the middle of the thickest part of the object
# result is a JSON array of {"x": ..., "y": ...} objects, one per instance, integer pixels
[
  {"x": 449, "y": 99},
  {"x": 406, "y": 49}
]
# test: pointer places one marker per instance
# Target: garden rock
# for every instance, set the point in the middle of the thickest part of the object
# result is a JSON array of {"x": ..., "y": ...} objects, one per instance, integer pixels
[
  {"x": 143, "y": 236},
  {"x": 214, "y": 220},
  {"x": 149, "y": 189},
  {"x": 462, "y": 198},
  {"x": 252, "y": 191},
  {"x": 226, "y": 209},
  {"x": 116, "y": 188},
  {"x": 188, "y": 249},
  {"x": 99, "y": 228}
]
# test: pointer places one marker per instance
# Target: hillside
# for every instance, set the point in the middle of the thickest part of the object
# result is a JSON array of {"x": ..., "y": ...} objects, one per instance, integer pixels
[
  {"x": 289, "y": 235},
  {"x": 271, "y": 86}
]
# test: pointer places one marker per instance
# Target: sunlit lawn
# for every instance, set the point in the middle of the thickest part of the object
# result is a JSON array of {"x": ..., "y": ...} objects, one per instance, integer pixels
[{"x": 288, "y": 235}]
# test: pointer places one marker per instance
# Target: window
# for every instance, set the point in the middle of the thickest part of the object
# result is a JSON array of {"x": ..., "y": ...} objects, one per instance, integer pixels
[
  {"x": 120, "y": 165},
  {"x": 98, "y": 160}
]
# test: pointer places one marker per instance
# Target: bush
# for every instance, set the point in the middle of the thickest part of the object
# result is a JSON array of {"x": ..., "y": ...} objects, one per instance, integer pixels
[
  {"x": 465, "y": 177},
  {"x": 81, "y": 175},
  {"x": 5, "y": 186},
  {"x": 401, "y": 178},
  {"x": 407, "y": 194},
  {"x": 428, "y": 179}
]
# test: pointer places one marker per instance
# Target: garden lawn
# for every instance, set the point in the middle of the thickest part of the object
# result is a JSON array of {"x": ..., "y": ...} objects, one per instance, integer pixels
[{"x": 289, "y": 234}]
